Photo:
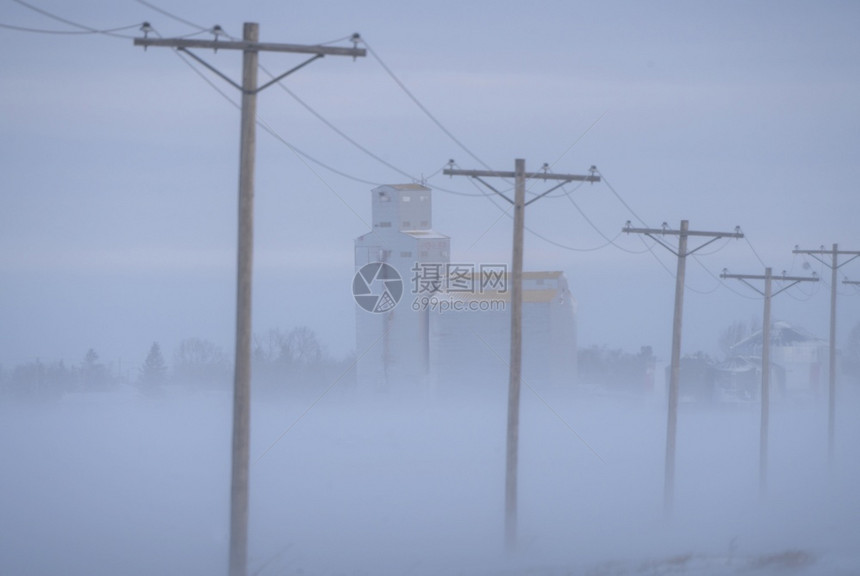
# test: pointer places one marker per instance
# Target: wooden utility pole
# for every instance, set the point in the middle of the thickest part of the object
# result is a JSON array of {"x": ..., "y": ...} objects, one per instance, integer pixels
[
  {"x": 765, "y": 355},
  {"x": 515, "y": 363},
  {"x": 682, "y": 252},
  {"x": 250, "y": 47},
  {"x": 834, "y": 265}
]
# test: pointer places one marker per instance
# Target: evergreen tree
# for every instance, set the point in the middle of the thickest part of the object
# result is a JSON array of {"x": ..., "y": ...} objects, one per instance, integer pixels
[
  {"x": 93, "y": 375},
  {"x": 153, "y": 373}
]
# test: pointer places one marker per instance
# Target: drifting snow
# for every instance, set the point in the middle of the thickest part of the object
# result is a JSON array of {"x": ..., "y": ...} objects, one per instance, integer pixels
[{"x": 115, "y": 483}]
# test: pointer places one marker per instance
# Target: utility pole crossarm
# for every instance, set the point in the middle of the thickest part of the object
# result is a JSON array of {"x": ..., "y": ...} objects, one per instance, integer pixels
[
  {"x": 666, "y": 231},
  {"x": 527, "y": 175},
  {"x": 656, "y": 233},
  {"x": 774, "y": 277},
  {"x": 563, "y": 179},
  {"x": 854, "y": 253},
  {"x": 769, "y": 277},
  {"x": 251, "y": 46},
  {"x": 833, "y": 252}
]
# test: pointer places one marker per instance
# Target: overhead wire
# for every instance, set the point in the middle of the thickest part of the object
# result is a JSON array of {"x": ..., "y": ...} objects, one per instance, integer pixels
[
  {"x": 608, "y": 241},
  {"x": 754, "y": 251},
  {"x": 304, "y": 104},
  {"x": 506, "y": 212},
  {"x": 312, "y": 111},
  {"x": 720, "y": 282},
  {"x": 303, "y": 156},
  {"x": 619, "y": 198},
  {"x": 503, "y": 211},
  {"x": 171, "y": 15},
  {"x": 78, "y": 25},
  {"x": 421, "y": 106},
  {"x": 109, "y": 31},
  {"x": 337, "y": 130},
  {"x": 581, "y": 136},
  {"x": 650, "y": 248},
  {"x": 717, "y": 248},
  {"x": 806, "y": 296},
  {"x": 351, "y": 140},
  {"x": 307, "y": 157},
  {"x": 362, "y": 148},
  {"x": 271, "y": 131},
  {"x": 340, "y": 132}
]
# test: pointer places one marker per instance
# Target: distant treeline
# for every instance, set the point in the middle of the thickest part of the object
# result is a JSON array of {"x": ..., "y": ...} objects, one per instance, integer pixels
[{"x": 283, "y": 363}]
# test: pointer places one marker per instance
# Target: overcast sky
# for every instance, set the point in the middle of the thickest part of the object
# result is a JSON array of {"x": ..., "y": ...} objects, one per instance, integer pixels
[{"x": 118, "y": 166}]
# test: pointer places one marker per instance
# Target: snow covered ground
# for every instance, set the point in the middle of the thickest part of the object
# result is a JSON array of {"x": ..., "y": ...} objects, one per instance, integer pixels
[{"x": 116, "y": 483}]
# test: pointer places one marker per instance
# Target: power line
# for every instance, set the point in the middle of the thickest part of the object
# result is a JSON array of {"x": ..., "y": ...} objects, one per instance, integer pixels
[
  {"x": 308, "y": 157},
  {"x": 650, "y": 249},
  {"x": 423, "y": 108},
  {"x": 807, "y": 296},
  {"x": 760, "y": 261},
  {"x": 620, "y": 199},
  {"x": 716, "y": 250},
  {"x": 609, "y": 241},
  {"x": 687, "y": 286},
  {"x": 172, "y": 16},
  {"x": 331, "y": 125},
  {"x": 268, "y": 128},
  {"x": 532, "y": 231},
  {"x": 581, "y": 136},
  {"x": 359, "y": 146},
  {"x": 272, "y": 132},
  {"x": 109, "y": 31},
  {"x": 88, "y": 29},
  {"x": 711, "y": 274},
  {"x": 703, "y": 266},
  {"x": 337, "y": 130},
  {"x": 303, "y": 156},
  {"x": 567, "y": 194}
]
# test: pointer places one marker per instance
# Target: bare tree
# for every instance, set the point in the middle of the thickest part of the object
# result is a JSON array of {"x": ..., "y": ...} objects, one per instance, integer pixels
[{"x": 199, "y": 362}]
